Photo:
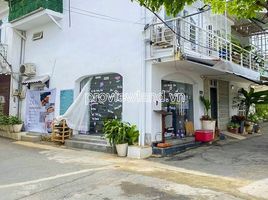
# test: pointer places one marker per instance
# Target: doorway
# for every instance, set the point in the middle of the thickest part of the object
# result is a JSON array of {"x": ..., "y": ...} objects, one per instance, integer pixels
[
  {"x": 181, "y": 112},
  {"x": 4, "y": 93},
  {"x": 214, "y": 104},
  {"x": 214, "y": 99},
  {"x": 100, "y": 109}
]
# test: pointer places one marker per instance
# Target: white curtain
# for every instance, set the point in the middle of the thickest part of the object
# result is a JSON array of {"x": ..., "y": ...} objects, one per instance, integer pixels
[{"x": 77, "y": 116}]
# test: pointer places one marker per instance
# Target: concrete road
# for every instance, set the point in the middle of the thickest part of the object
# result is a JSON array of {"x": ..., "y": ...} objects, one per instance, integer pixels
[
  {"x": 244, "y": 159},
  {"x": 37, "y": 171}
]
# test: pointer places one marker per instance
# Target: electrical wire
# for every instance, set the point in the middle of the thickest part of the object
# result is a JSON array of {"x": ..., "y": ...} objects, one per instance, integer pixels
[{"x": 100, "y": 16}]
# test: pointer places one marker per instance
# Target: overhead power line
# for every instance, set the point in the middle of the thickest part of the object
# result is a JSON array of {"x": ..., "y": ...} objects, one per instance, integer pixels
[{"x": 100, "y": 16}]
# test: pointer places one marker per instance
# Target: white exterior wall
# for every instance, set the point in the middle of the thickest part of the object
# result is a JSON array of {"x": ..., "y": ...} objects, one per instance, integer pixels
[
  {"x": 90, "y": 46},
  {"x": 96, "y": 46},
  {"x": 157, "y": 73}
]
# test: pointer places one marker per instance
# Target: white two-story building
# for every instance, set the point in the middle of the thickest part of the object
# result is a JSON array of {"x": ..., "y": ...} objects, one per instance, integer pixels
[{"x": 120, "y": 46}]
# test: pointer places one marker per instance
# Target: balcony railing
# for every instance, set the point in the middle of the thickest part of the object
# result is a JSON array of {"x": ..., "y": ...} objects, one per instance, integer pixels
[
  {"x": 3, "y": 51},
  {"x": 194, "y": 40}
]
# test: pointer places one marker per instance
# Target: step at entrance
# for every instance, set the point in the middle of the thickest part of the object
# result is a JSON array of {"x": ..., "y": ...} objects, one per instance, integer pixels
[
  {"x": 89, "y": 142},
  {"x": 31, "y": 137}
]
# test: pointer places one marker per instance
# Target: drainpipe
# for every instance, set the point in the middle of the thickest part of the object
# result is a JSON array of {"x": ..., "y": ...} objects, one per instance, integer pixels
[
  {"x": 22, "y": 56},
  {"x": 143, "y": 85}
]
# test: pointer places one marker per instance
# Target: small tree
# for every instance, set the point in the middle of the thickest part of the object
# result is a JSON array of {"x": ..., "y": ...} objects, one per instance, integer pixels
[
  {"x": 207, "y": 107},
  {"x": 250, "y": 98}
]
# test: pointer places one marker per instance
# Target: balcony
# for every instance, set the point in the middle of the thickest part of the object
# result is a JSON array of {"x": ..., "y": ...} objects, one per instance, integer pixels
[{"x": 197, "y": 43}]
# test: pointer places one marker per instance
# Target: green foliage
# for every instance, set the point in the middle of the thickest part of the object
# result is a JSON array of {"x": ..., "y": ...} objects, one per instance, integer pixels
[
  {"x": 4, "y": 120},
  {"x": 238, "y": 8},
  {"x": 118, "y": 132},
  {"x": 132, "y": 134},
  {"x": 14, "y": 120},
  {"x": 262, "y": 111},
  {"x": 232, "y": 125},
  {"x": 9, "y": 120},
  {"x": 251, "y": 97},
  {"x": 254, "y": 118},
  {"x": 206, "y": 104},
  {"x": 173, "y": 7}
]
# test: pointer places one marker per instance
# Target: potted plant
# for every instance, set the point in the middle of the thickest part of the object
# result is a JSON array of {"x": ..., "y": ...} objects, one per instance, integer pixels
[
  {"x": 233, "y": 127},
  {"x": 116, "y": 132},
  {"x": 132, "y": 134},
  {"x": 207, "y": 122},
  {"x": 249, "y": 126},
  {"x": 15, "y": 124},
  {"x": 240, "y": 120}
]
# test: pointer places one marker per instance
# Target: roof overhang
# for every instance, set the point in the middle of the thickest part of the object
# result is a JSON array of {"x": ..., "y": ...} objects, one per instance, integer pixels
[
  {"x": 36, "y": 80},
  {"x": 37, "y": 18},
  {"x": 216, "y": 69},
  {"x": 226, "y": 67}
]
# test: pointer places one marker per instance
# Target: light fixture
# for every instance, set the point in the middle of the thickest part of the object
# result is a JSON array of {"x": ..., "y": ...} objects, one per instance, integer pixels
[{"x": 232, "y": 87}]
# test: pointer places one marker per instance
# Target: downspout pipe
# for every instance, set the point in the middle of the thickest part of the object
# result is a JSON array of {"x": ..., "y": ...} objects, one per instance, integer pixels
[
  {"x": 22, "y": 57},
  {"x": 143, "y": 86}
]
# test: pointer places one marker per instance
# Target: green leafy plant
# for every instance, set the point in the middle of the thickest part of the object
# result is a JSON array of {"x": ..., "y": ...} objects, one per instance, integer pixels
[
  {"x": 232, "y": 125},
  {"x": 4, "y": 120},
  {"x": 251, "y": 97},
  {"x": 239, "y": 8},
  {"x": 13, "y": 120},
  {"x": 118, "y": 132},
  {"x": 207, "y": 107},
  {"x": 132, "y": 134}
]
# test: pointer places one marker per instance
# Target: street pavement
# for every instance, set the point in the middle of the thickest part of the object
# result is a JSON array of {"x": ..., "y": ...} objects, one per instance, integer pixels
[{"x": 39, "y": 171}]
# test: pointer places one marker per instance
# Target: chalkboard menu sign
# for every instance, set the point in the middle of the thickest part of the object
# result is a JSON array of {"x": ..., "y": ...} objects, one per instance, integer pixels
[{"x": 100, "y": 111}]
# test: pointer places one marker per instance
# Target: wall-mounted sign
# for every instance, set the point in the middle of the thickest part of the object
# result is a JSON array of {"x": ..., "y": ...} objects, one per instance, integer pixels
[{"x": 66, "y": 100}]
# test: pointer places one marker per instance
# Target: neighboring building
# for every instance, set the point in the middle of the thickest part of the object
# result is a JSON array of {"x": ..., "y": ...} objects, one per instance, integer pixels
[{"x": 121, "y": 47}]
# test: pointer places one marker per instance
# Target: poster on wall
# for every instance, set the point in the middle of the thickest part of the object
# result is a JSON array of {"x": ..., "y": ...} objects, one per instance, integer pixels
[{"x": 40, "y": 110}]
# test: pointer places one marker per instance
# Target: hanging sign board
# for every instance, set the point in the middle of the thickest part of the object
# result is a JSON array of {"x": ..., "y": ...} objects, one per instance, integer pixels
[{"x": 40, "y": 110}]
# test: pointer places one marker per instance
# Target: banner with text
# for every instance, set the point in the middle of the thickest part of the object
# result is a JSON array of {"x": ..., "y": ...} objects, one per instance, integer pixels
[{"x": 40, "y": 110}]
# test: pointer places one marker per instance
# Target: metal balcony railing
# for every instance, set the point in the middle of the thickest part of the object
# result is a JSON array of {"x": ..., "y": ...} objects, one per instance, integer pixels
[
  {"x": 3, "y": 51},
  {"x": 3, "y": 58},
  {"x": 192, "y": 39}
]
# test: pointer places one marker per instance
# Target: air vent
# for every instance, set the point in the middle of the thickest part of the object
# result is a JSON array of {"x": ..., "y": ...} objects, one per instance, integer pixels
[{"x": 37, "y": 36}]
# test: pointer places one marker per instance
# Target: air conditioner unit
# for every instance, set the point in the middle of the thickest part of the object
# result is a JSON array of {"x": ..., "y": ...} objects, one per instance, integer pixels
[
  {"x": 162, "y": 36},
  {"x": 28, "y": 69}
]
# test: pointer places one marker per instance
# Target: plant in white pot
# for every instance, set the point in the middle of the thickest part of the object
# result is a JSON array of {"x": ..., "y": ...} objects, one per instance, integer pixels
[
  {"x": 116, "y": 132},
  {"x": 15, "y": 124},
  {"x": 207, "y": 122}
]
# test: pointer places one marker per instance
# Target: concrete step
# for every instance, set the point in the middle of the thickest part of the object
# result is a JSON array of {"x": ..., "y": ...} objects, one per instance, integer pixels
[
  {"x": 31, "y": 138},
  {"x": 34, "y": 133},
  {"x": 176, "y": 148},
  {"x": 88, "y": 145},
  {"x": 90, "y": 139}
]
